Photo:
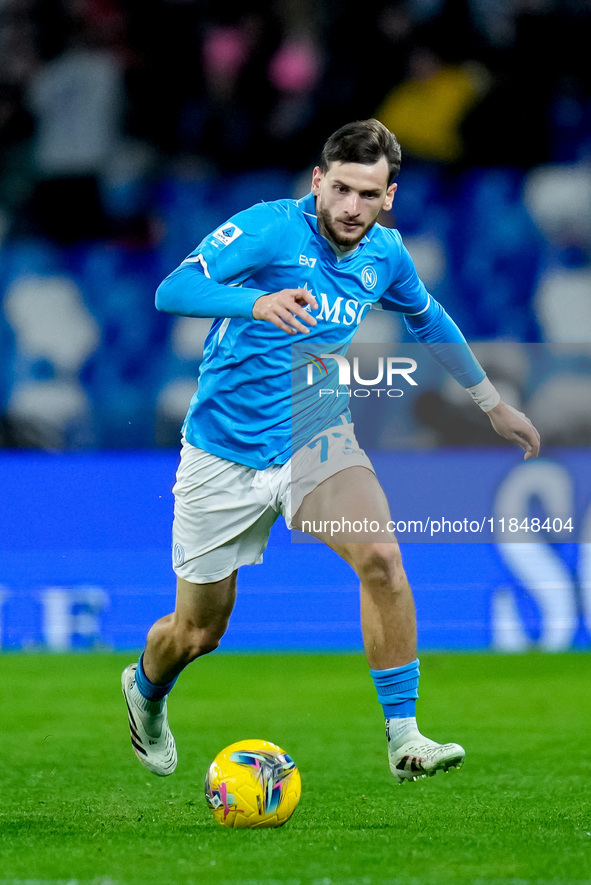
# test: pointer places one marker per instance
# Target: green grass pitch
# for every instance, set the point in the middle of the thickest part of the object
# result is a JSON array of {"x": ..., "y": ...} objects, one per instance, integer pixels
[{"x": 76, "y": 807}]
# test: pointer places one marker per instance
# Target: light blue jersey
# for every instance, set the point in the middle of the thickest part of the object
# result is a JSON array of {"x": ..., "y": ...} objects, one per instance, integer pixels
[{"x": 256, "y": 402}]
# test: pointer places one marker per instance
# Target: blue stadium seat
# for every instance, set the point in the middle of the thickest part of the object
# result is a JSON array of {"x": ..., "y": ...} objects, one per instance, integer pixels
[
  {"x": 189, "y": 209},
  {"x": 495, "y": 254},
  {"x": 418, "y": 202},
  {"x": 241, "y": 191},
  {"x": 122, "y": 376},
  {"x": 6, "y": 362},
  {"x": 18, "y": 258}
]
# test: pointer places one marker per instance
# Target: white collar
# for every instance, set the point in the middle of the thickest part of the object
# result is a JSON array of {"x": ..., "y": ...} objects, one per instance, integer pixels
[{"x": 340, "y": 251}]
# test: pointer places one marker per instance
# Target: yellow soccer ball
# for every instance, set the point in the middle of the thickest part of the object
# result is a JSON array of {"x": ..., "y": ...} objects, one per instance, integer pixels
[{"x": 252, "y": 784}]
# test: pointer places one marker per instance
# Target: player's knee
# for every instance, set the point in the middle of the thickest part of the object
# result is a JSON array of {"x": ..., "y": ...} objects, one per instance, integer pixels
[
  {"x": 206, "y": 643},
  {"x": 196, "y": 641},
  {"x": 379, "y": 564}
]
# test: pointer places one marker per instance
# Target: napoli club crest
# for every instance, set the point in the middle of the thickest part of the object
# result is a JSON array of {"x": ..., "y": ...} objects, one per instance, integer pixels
[{"x": 369, "y": 277}]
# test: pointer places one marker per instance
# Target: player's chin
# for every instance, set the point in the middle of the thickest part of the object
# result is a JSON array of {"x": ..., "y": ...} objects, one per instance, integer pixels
[{"x": 350, "y": 237}]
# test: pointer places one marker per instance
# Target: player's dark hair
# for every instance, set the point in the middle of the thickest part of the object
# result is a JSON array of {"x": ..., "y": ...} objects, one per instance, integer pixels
[{"x": 363, "y": 141}]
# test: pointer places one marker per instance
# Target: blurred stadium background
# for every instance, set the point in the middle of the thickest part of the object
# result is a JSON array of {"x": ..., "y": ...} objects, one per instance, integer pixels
[{"x": 128, "y": 130}]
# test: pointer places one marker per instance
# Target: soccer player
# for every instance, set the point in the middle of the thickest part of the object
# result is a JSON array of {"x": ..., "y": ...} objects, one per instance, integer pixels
[{"x": 258, "y": 441}]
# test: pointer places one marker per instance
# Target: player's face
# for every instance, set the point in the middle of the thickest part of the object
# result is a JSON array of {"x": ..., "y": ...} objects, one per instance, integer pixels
[{"x": 349, "y": 198}]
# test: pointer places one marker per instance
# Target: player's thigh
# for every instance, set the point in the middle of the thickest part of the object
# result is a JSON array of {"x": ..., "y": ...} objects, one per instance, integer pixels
[
  {"x": 349, "y": 512},
  {"x": 205, "y": 606},
  {"x": 350, "y": 504}
]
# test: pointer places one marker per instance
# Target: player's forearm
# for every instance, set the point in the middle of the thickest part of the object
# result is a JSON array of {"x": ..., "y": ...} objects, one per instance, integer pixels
[
  {"x": 188, "y": 292},
  {"x": 445, "y": 342}
]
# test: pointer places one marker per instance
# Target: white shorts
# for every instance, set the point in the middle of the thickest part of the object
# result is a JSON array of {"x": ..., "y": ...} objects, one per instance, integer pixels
[{"x": 224, "y": 511}]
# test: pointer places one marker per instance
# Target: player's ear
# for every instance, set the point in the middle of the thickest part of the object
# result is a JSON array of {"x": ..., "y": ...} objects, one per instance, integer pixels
[
  {"x": 389, "y": 198},
  {"x": 316, "y": 180}
]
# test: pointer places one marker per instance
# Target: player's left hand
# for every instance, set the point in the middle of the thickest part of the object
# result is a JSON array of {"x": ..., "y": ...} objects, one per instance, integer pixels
[{"x": 517, "y": 427}]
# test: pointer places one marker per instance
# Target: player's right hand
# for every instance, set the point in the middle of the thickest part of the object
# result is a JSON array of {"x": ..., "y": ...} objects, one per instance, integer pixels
[
  {"x": 517, "y": 427},
  {"x": 286, "y": 310}
]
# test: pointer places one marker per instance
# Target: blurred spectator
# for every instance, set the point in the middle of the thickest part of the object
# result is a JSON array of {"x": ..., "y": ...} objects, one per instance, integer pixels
[
  {"x": 16, "y": 167},
  {"x": 260, "y": 73},
  {"x": 18, "y": 61},
  {"x": 295, "y": 73},
  {"x": 19, "y": 51},
  {"x": 76, "y": 100},
  {"x": 427, "y": 109},
  {"x": 225, "y": 122},
  {"x": 540, "y": 96},
  {"x": 356, "y": 81}
]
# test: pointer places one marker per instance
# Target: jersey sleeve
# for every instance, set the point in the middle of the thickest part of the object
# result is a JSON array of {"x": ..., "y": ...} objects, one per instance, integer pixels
[
  {"x": 209, "y": 282},
  {"x": 444, "y": 341},
  {"x": 427, "y": 321},
  {"x": 406, "y": 293}
]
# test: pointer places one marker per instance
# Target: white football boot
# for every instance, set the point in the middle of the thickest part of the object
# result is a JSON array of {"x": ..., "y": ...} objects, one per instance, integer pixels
[
  {"x": 151, "y": 737},
  {"x": 418, "y": 756}
]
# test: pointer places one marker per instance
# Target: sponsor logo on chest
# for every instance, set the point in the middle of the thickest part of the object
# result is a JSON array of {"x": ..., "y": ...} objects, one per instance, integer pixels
[{"x": 344, "y": 311}]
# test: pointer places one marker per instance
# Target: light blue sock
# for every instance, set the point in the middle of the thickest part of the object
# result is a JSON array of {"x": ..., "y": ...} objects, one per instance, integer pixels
[
  {"x": 150, "y": 690},
  {"x": 398, "y": 690}
]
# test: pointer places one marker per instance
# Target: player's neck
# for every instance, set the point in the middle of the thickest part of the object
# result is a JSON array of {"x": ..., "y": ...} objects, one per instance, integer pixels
[{"x": 340, "y": 251}]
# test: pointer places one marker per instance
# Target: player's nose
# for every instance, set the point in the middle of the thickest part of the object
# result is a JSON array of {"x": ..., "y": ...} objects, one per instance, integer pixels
[{"x": 352, "y": 205}]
